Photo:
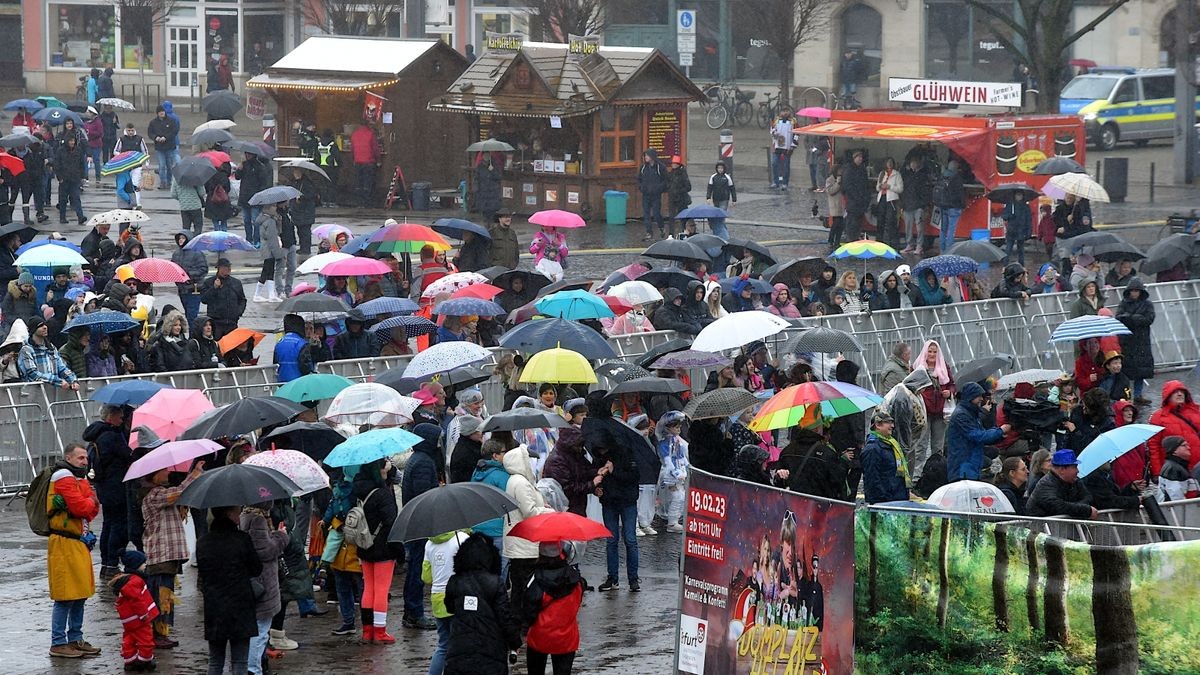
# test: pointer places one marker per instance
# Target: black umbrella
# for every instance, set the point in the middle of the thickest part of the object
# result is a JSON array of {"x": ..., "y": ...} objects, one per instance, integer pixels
[
  {"x": 977, "y": 250},
  {"x": 242, "y": 417},
  {"x": 26, "y": 232},
  {"x": 1168, "y": 253},
  {"x": 460, "y": 378},
  {"x": 711, "y": 243},
  {"x": 979, "y": 369},
  {"x": 756, "y": 285},
  {"x": 1067, "y": 247},
  {"x": 16, "y": 140},
  {"x": 789, "y": 272},
  {"x": 1003, "y": 194},
  {"x": 451, "y": 507},
  {"x": 620, "y": 370},
  {"x": 193, "y": 171},
  {"x": 649, "y": 385},
  {"x": 535, "y": 336},
  {"x": 658, "y": 351},
  {"x": 1058, "y": 165},
  {"x": 825, "y": 340},
  {"x": 673, "y": 277},
  {"x": 676, "y": 249},
  {"x": 563, "y": 285},
  {"x": 738, "y": 248},
  {"x": 313, "y": 302},
  {"x": 237, "y": 485},
  {"x": 253, "y": 147},
  {"x": 221, "y": 105},
  {"x": 723, "y": 402},
  {"x": 1116, "y": 252},
  {"x": 312, "y": 438},
  {"x": 611, "y": 280},
  {"x": 211, "y": 137},
  {"x": 494, "y": 271},
  {"x": 533, "y": 282},
  {"x": 524, "y": 418}
]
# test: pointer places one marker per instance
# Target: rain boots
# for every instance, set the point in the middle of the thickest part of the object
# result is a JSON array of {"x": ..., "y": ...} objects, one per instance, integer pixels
[
  {"x": 272, "y": 296},
  {"x": 279, "y": 640},
  {"x": 258, "y": 292}
]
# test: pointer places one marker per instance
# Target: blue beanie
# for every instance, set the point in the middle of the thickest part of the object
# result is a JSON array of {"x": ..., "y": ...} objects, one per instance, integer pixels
[
  {"x": 133, "y": 559},
  {"x": 429, "y": 432}
]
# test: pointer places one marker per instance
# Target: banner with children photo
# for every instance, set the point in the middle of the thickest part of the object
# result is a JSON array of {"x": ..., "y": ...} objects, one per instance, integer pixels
[{"x": 768, "y": 581}]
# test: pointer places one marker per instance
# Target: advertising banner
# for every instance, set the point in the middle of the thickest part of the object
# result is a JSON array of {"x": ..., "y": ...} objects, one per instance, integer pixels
[
  {"x": 768, "y": 581},
  {"x": 935, "y": 594},
  {"x": 951, "y": 92}
]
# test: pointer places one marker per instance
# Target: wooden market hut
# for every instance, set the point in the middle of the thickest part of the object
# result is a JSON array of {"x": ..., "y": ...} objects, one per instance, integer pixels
[
  {"x": 579, "y": 119},
  {"x": 341, "y": 81}
]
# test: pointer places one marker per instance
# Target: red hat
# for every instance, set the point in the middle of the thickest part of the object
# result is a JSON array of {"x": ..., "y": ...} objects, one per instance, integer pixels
[{"x": 676, "y": 159}]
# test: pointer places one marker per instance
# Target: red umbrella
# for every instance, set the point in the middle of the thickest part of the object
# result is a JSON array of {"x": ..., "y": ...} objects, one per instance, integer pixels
[
  {"x": 559, "y": 526},
  {"x": 158, "y": 271},
  {"x": 617, "y": 305},
  {"x": 216, "y": 157},
  {"x": 481, "y": 291},
  {"x": 15, "y": 165}
]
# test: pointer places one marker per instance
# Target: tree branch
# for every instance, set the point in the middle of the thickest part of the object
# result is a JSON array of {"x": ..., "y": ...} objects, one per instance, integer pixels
[{"x": 1091, "y": 25}]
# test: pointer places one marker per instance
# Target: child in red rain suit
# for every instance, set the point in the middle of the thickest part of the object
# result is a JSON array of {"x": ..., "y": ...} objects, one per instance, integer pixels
[{"x": 137, "y": 610}]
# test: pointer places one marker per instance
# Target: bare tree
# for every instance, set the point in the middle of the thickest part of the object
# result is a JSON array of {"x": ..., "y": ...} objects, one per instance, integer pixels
[
  {"x": 786, "y": 25},
  {"x": 1038, "y": 36},
  {"x": 352, "y": 17},
  {"x": 554, "y": 20}
]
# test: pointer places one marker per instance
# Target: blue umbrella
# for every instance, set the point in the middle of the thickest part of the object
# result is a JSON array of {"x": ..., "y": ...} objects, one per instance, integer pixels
[
  {"x": 127, "y": 392},
  {"x": 358, "y": 243},
  {"x": 701, "y": 211},
  {"x": 758, "y": 285},
  {"x": 106, "y": 320},
  {"x": 412, "y": 325},
  {"x": 372, "y": 445},
  {"x": 1114, "y": 443},
  {"x": 575, "y": 305},
  {"x": 947, "y": 265},
  {"x": 274, "y": 195},
  {"x": 49, "y": 242},
  {"x": 57, "y": 116},
  {"x": 454, "y": 227},
  {"x": 386, "y": 305},
  {"x": 219, "y": 241},
  {"x": 26, "y": 103},
  {"x": 1085, "y": 327},
  {"x": 535, "y": 336},
  {"x": 468, "y": 307}
]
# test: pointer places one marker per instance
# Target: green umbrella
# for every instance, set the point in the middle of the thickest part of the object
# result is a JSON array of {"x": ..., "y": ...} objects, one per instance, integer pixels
[{"x": 313, "y": 387}]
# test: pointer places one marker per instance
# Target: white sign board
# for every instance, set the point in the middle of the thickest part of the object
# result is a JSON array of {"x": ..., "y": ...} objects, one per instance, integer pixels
[
  {"x": 685, "y": 43},
  {"x": 952, "y": 92},
  {"x": 685, "y": 22},
  {"x": 685, "y": 59}
]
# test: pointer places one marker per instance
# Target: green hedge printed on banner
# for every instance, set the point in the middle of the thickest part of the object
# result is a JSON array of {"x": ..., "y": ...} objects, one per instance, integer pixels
[{"x": 951, "y": 595}]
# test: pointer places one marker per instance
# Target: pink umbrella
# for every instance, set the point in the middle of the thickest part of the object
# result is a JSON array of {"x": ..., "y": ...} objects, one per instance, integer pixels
[
  {"x": 557, "y": 218},
  {"x": 170, "y": 411},
  {"x": 158, "y": 271},
  {"x": 634, "y": 270},
  {"x": 177, "y": 455},
  {"x": 355, "y": 267},
  {"x": 814, "y": 111},
  {"x": 330, "y": 231},
  {"x": 302, "y": 288}
]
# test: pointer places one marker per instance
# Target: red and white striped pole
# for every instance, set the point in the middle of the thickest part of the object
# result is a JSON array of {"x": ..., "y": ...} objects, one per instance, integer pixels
[
  {"x": 268, "y": 126},
  {"x": 725, "y": 152}
]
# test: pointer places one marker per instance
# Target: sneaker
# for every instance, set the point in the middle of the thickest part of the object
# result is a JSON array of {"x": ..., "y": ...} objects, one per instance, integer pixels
[
  {"x": 610, "y": 585},
  {"x": 423, "y": 623},
  {"x": 650, "y": 530},
  {"x": 675, "y": 527},
  {"x": 86, "y": 648},
  {"x": 279, "y": 640},
  {"x": 383, "y": 638},
  {"x": 635, "y": 586},
  {"x": 641, "y": 532},
  {"x": 1142, "y": 400},
  {"x": 907, "y": 250},
  {"x": 67, "y": 651},
  {"x": 343, "y": 630}
]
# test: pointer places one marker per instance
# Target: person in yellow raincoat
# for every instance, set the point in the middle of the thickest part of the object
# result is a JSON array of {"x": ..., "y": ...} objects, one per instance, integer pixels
[{"x": 71, "y": 505}]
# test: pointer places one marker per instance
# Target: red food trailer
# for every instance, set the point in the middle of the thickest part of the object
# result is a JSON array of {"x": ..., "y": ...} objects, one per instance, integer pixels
[{"x": 996, "y": 148}]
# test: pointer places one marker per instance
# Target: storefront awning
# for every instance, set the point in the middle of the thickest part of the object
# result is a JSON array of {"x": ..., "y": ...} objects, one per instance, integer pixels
[
  {"x": 320, "y": 82},
  {"x": 905, "y": 132},
  {"x": 510, "y": 107}
]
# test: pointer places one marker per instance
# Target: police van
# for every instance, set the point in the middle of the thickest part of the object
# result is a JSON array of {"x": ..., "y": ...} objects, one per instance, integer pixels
[{"x": 1122, "y": 104}]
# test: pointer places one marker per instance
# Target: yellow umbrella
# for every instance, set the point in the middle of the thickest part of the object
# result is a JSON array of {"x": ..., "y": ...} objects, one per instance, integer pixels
[{"x": 558, "y": 366}]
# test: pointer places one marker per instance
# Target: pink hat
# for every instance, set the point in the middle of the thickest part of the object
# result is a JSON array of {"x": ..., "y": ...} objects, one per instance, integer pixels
[{"x": 425, "y": 396}]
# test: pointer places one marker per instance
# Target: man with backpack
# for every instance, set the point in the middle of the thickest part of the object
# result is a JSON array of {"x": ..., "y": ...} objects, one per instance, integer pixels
[
  {"x": 109, "y": 455},
  {"x": 60, "y": 505}
]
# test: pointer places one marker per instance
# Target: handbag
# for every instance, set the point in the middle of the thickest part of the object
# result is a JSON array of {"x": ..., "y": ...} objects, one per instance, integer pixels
[{"x": 149, "y": 180}]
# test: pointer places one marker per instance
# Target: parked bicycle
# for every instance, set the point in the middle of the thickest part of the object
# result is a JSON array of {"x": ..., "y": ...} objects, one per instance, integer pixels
[
  {"x": 768, "y": 110},
  {"x": 726, "y": 101}
]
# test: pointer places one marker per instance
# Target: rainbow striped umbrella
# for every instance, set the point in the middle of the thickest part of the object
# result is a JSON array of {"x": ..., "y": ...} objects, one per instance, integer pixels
[
  {"x": 405, "y": 238},
  {"x": 864, "y": 249},
  {"x": 124, "y": 161},
  {"x": 808, "y": 403}
]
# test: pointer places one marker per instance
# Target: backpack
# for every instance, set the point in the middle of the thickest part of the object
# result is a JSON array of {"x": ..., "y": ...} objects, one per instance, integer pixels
[
  {"x": 219, "y": 196},
  {"x": 35, "y": 503},
  {"x": 941, "y": 190},
  {"x": 355, "y": 529}
]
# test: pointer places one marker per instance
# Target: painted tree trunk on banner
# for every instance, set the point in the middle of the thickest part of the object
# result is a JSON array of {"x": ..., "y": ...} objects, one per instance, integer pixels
[
  {"x": 943, "y": 573},
  {"x": 1000, "y": 578},
  {"x": 1055, "y": 600},
  {"x": 1032, "y": 582},
  {"x": 1112, "y": 610}
]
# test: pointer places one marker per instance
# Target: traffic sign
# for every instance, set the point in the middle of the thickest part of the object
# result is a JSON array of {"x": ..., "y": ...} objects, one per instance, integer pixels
[
  {"x": 685, "y": 58},
  {"x": 685, "y": 43},
  {"x": 685, "y": 22}
]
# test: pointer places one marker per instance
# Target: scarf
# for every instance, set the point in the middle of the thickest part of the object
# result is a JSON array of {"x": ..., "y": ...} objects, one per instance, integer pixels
[{"x": 901, "y": 462}]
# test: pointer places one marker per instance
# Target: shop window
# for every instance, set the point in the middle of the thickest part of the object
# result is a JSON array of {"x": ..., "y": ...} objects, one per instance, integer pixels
[
  {"x": 137, "y": 25},
  {"x": 499, "y": 22},
  {"x": 862, "y": 32},
  {"x": 222, "y": 31},
  {"x": 81, "y": 36},
  {"x": 618, "y": 137},
  {"x": 706, "y": 62},
  {"x": 754, "y": 58},
  {"x": 961, "y": 43},
  {"x": 638, "y": 12},
  {"x": 264, "y": 41}
]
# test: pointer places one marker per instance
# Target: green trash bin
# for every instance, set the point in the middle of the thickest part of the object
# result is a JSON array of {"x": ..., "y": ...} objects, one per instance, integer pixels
[{"x": 615, "y": 205}]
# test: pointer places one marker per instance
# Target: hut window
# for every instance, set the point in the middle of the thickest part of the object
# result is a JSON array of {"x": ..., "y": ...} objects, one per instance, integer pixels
[{"x": 618, "y": 137}]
